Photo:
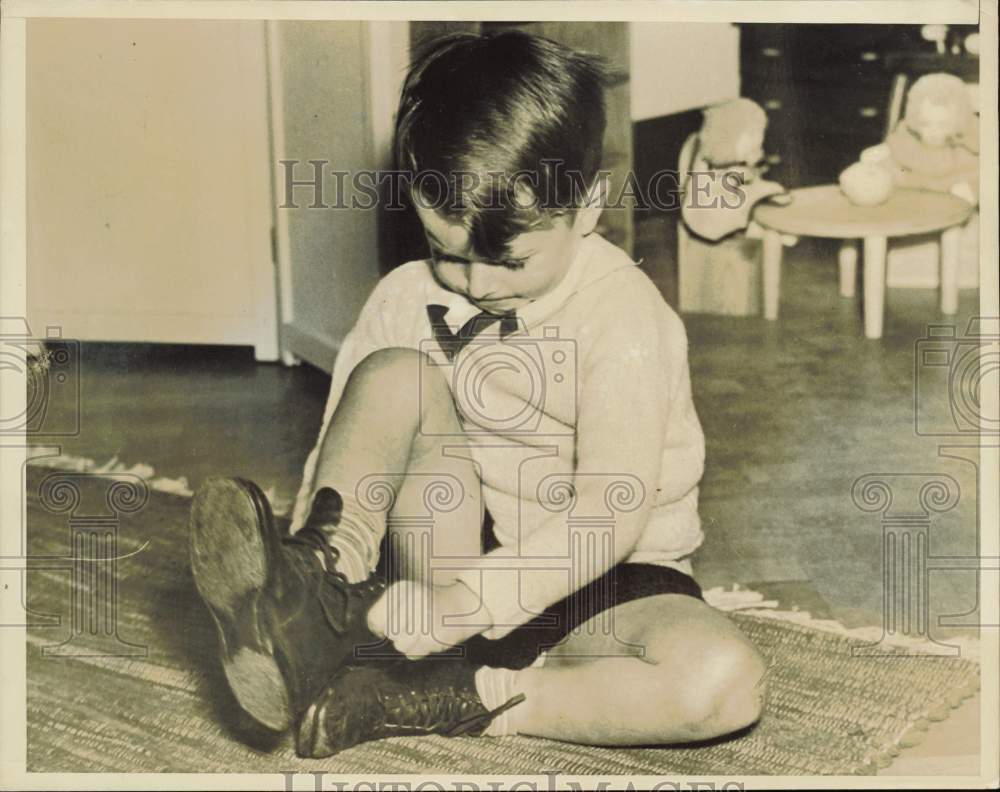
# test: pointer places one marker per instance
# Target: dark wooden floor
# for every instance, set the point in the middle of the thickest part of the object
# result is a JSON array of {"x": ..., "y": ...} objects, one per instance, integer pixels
[{"x": 794, "y": 412}]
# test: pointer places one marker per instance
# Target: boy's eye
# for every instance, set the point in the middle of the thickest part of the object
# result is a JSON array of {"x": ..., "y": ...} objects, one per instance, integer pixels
[
  {"x": 509, "y": 263},
  {"x": 444, "y": 258}
]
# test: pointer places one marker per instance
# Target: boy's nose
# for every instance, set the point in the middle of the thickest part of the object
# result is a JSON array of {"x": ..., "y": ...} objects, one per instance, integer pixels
[{"x": 480, "y": 277}]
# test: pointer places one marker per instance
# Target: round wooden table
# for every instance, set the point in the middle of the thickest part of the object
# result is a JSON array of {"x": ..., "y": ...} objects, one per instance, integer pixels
[{"x": 824, "y": 211}]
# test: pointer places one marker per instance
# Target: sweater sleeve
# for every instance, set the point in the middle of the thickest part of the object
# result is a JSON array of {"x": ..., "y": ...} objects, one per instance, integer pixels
[{"x": 597, "y": 516}]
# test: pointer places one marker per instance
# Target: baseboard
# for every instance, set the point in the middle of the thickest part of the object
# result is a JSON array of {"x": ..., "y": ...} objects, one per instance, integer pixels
[{"x": 316, "y": 348}]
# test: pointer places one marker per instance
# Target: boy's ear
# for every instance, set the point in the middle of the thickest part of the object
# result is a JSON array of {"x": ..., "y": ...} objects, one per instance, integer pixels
[{"x": 586, "y": 217}]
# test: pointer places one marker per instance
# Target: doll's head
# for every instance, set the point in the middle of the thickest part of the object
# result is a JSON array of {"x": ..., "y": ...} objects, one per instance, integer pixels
[
  {"x": 938, "y": 110},
  {"x": 733, "y": 132}
]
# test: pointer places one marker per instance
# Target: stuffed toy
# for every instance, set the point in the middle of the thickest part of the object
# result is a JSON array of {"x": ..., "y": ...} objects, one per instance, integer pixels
[
  {"x": 719, "y": 248},
  {"x": 867, "y": 184},
  {"x": 724, "y": 179},
  {"x": 936, "y": 145}
]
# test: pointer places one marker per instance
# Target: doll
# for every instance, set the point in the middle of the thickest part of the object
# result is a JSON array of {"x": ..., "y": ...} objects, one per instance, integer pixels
[
  {"x": 936, "y": 145},
  {"x": 724, "y": 180},
  {"x": 718, "y": 245}
]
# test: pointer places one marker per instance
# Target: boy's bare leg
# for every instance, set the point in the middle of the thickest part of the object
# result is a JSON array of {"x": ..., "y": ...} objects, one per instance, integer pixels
[
  {"x": 699, "y": 678},
  {"x": 395, "y": 429},
  {"x": 283, "y": 623}
]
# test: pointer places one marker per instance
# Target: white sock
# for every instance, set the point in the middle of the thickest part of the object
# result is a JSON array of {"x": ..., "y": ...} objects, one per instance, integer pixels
[
  {"x": 495, "y": 687},
  {"x": 356, "y": 539}
]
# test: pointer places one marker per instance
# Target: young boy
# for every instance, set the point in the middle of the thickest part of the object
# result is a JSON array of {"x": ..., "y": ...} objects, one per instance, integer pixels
[{"x": 513, "y": 416}]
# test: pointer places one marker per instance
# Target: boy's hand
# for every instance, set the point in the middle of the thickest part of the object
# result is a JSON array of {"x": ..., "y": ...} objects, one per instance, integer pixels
[{"x": 418, "y": 618}]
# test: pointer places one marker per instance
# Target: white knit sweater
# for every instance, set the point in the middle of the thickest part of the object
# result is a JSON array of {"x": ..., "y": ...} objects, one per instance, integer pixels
[{"x": 592, "y": 396}]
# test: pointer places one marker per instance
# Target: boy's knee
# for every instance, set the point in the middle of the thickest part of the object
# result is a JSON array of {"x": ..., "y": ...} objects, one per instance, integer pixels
[
  {"x": 741, "y": 695},
  {"x": 407, "y": 372},
  {"x": 732, "y": 691},
  {"x": 723, "y": 691},
  {"x": 392, "y": 362},
  {"x": 402, "y": 380},
  {"x": 399, "y": 362}
]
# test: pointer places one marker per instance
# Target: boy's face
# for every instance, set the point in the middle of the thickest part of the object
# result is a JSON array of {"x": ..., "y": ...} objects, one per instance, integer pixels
[{"x": 537, "y": 262}]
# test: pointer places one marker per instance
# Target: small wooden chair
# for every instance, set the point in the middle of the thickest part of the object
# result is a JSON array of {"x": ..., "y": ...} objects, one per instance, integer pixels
[
  {"x": 721, "y": 277},
  {"x": 715, "y": 277},
  {"x": 916, "y": 262}
]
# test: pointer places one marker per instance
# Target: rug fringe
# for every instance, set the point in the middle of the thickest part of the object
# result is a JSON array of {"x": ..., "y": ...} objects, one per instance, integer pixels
[
  {"x": 114, "y": 467},
  {"x": 917, "y": 731},
  {"x": 753, "y": 603}
]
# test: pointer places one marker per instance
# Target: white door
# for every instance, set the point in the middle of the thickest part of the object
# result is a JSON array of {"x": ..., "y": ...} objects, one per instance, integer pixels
[
  {"x": 148, "y": 174},
  {"x": 334, "y": 91}
]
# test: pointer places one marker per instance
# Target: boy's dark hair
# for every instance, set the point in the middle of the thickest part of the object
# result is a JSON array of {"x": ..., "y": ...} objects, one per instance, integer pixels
[{"x": 487, "y": 115}]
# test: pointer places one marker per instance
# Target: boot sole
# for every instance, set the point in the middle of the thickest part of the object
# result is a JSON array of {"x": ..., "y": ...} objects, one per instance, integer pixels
[
  {"x": 313, "y": 741},
  {"x": 309, "y": 738},
  {"x": 233, "y": 544}
]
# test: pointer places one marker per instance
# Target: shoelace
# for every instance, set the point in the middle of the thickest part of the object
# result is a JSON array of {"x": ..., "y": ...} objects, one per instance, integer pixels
[
  {"x": 481, "y": 720},
  {"x": 337, "y": 584},
  {"x": 434, "y": 708},
  {"x": 315, "y": 539},
  {"x": 424, "y": 710},
  {"x": 333, "y": 589}
]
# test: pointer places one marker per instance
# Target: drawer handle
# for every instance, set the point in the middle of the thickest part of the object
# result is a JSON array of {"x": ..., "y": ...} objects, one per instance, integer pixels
[
  {"x": 773, "y": 104},
  {"x": 868, "y": 112},
  {"x": 869, "y": 56},
  {"x": 771, "y": 52}
]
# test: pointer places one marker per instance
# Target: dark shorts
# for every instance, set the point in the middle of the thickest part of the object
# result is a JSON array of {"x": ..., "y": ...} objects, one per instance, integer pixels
[
  {"x": 620, "y": 584},
  {"x": 522, "y": 646}
]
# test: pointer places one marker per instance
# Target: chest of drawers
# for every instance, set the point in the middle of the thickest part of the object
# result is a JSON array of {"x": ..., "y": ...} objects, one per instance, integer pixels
[{"x": 826, "y": 90}]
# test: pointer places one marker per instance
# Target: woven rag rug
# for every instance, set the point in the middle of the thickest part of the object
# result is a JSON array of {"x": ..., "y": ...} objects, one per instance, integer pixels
[{"x": 132, "y": 682}]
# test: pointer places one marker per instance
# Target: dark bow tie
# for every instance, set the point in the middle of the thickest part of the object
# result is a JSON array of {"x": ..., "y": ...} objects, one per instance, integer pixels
[{"x": 453, "y": 343}]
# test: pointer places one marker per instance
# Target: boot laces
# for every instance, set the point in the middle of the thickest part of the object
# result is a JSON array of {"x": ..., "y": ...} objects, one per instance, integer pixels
[
  {"x": 451, "y": 711},
  {"x": 333, "y": 588},
  {"x": 315, "y": 539},
  {"x": 480, "y": 720},
  {"x": 427, "y": 709}
]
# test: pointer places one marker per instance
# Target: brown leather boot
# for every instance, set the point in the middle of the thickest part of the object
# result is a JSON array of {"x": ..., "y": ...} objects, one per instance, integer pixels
[
  {"x": 371, "y": 702},
  {"x": 286, "y": 622}
]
